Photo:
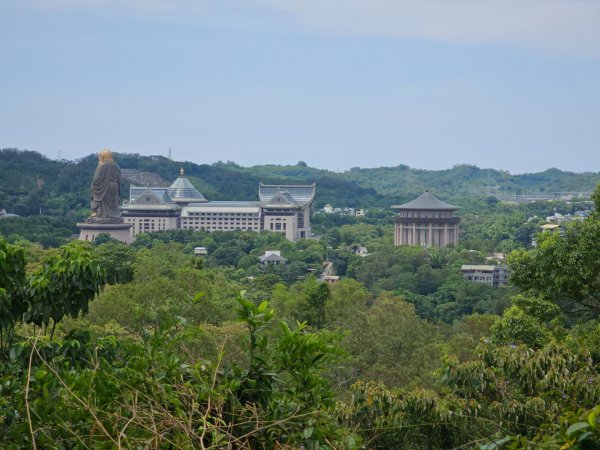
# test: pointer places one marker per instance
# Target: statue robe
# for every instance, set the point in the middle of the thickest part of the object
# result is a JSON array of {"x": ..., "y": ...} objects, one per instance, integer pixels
[{"x": 105, "y": 193}]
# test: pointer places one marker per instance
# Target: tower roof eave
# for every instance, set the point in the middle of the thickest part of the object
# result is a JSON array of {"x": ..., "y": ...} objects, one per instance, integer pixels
[{"x": 426, "y": 202}]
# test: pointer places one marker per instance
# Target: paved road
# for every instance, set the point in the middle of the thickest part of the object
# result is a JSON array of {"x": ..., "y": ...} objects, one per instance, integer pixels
[{"x": 327, "y": 270}]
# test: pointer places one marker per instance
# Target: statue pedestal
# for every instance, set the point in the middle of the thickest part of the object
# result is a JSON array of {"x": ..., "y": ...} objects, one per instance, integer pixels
[{"x": 118, "y": 231}]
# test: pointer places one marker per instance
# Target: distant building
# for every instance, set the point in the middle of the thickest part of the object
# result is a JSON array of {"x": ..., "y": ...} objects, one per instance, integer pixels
[
  {"x": 331, "y": 279},
  {"x": 272, "y": 257},
  {"x": 286, "y": 209},
  {"x": 151, "y": 210},
  {"x": 551, "y": 227},
  {"x": 496, "y": 276},
  {"x": 426, "y": 221},
  {"x": 361, "y": 251},
  {"x": 3, "y": 213},
  {"x": 496, "y": 257},
  {"x": 200, "y": 251},
  {"x": 221, "y": 216},
  {"x": 547, "y": 228},
  {"x": 345, "y": 211},
  {"x": 281, "y": 208}
]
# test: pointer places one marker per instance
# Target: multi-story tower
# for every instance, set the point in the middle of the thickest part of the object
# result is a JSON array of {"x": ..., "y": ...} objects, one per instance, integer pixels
[
  {"x": 286, "y": 209},
  {"x": 426, "y": 221}
]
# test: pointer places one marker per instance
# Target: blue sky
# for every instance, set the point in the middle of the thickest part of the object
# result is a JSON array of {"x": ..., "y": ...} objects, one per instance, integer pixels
[{"x": 508, "y": 84}]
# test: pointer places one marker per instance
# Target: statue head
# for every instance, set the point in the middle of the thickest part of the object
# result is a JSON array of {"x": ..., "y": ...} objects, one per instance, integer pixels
[{"x": 105, "y": 156}]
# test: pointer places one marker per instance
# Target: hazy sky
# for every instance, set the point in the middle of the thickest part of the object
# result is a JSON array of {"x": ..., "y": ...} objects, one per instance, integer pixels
[{"x": 508, "y": 84}]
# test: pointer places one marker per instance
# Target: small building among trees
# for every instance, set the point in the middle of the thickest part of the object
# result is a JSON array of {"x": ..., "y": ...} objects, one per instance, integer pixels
[
  {"x": 496, "y": 276},
  {"x": 272, "y": 257}
]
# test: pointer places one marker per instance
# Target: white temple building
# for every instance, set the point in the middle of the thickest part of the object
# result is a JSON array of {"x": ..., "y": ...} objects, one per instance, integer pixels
[{"x": 281, "y": 208}]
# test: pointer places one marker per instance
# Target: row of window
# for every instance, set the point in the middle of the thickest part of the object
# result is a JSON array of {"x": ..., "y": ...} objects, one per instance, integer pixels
[
  {"x": 208, "y": 222},
  {"x": 218, "y": 228},
  {"x": 251, "y": 215},
  {"x": 427, "y": 215}
]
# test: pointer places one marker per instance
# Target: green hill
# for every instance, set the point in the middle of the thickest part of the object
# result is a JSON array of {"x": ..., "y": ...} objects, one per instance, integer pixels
[{"x": 32, "y": 184}]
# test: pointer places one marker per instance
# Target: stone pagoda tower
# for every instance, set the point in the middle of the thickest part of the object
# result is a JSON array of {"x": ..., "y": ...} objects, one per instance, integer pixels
[{"x": 426, "y": 221}]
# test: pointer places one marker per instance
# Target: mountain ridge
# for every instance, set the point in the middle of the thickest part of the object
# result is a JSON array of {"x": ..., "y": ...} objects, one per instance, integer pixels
[{"x": 31, "y": 181}]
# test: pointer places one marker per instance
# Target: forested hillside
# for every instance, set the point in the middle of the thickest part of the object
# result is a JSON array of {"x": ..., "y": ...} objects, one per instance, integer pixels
[
  {"x": 148, "y": 346},
  {"x": 31, "y": 183}
]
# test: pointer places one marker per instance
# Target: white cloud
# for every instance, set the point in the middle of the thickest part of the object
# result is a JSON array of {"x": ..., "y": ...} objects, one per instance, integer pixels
[
  {"x": 557, "y": 26},
  {"x": 569, "y": 26},
  {"x": 137, "y": 6}
]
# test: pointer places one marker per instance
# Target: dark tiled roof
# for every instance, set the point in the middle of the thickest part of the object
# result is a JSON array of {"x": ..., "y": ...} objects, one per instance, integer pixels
[
  {"x": 426, "y": 201},
  {"x": 272, "y": 258}
]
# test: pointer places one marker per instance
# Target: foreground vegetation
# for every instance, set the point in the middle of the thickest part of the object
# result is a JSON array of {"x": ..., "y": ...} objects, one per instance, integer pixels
[
  {"x": 147, "y": 346},
  {"x": 177, "y": 352}
]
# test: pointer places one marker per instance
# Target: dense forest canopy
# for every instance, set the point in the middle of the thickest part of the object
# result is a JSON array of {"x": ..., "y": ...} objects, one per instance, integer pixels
[
  {"x": 31, "y": 181},
  {"x": 148, "y": 346}
]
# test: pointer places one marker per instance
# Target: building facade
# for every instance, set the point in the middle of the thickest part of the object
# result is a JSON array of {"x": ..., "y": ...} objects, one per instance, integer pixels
[
  {"x": 281, "y": 208},
  {"x": 151, "y": 211},
  {"x": 496, "y": 276},
  {"x": 426, "y": 221},
  {"x": 286, "y": 209},
  {"x": 221, "y": 216}
]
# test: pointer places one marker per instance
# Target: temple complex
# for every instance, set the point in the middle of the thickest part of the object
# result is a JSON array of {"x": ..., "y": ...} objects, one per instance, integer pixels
[
  {"x": 426, "y": 221},
  {"x": 281, "y": 208}
]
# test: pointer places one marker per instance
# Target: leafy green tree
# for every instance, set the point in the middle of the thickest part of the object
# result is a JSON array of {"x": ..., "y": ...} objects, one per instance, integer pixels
[
  {"x": 14, "y": 295},
  {"x": 507, "y": 395},
  {"x": 64, "y": 286},
  {"x": 104, "y": 238},
  {"x": 392, "y": 345},
  {"x": 468, "y": 333},
  {"x": 285, "y": 377},
  {"x": 45, "y": 230},
  {"x": 578, "y": 430},
  {"x": 117, "y": 260},
  {"x": 313, "y": 298},
  {"x": 587, "y": 336},
  {"x": 225, "y": 256},
  {"x": 348, "y": 304},
  {"x": 161, "y": 260},
  {"x": 564, "y": 268},
  {"x": 246, "y": 262}
]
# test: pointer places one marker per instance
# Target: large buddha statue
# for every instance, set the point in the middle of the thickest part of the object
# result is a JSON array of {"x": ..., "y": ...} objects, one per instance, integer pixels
[{"x": 105, "y": 191}]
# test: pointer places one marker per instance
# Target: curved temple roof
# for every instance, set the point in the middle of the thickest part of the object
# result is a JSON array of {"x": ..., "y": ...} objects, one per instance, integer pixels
[
  {"x": 286, "y": 195},
  {"x": 426, "y": 201},
  {"x": 149, "y": 199}
]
